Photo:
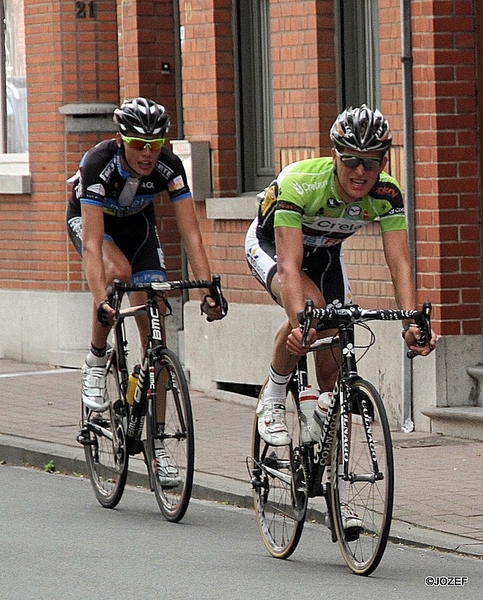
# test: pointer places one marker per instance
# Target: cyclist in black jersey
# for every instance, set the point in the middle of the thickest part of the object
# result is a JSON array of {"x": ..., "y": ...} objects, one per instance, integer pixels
[
  {"x": 111, "y": 222},
  {"x": 293, "y": 247}
]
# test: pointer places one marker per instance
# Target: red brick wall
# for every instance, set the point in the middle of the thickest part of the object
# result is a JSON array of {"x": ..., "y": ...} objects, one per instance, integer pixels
[
  {"x": 119, "y": 53},
  {"x": 208, "y": 86},
  {"x": 448, "y": 214}
]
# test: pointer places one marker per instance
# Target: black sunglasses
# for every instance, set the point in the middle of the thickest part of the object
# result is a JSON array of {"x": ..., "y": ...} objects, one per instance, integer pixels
[{"x": 352, "y": 162}]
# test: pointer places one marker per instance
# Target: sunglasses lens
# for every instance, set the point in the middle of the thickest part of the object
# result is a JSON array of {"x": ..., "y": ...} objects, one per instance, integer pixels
[
  {"x": 371, "y": 164},
  {"x": 352, "y": 162},
  {"x": 140, "y": 143}
]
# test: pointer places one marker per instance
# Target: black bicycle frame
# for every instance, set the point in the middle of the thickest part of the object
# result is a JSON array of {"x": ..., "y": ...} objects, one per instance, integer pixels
[
  {"x": 146, "y": 380},
  {"x": 319, "y": 453}
]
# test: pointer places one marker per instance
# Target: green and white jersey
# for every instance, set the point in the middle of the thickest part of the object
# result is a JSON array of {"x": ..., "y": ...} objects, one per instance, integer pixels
[{"x": 304, "y": 197}]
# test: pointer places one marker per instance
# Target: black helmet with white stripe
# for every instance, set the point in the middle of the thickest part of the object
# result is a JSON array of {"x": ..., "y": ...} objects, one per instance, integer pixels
[{"x": 143, "y": 116}]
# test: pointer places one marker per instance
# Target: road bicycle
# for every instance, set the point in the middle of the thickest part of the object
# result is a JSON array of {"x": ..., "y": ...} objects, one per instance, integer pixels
[
  {"x": 154, "y": 414},
  {"x": 351, "y": 465}
]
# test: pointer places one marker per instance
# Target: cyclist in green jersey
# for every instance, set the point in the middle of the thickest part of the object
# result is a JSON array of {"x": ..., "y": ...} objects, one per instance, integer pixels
[{"x": 293, "y": 247}]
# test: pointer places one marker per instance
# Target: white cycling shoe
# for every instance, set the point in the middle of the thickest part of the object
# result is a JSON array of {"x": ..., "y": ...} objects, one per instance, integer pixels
[
  {"x": 351, "y": 522},
  {"x": 168, "y": 473},
  {"x": 272, "y": 425},
  {"x": 94, "y": 394}
]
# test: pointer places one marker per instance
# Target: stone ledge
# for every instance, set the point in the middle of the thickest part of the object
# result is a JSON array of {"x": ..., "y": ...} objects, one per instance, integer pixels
[
  {"x": 15, "y": 184},
  {"x": 87, "y": 117},
  {"x": 457, "y": 421},
  {"x": 237, "y": 208}
]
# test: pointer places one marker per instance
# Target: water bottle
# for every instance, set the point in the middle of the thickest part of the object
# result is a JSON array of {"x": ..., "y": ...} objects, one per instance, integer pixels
[
  {"x": 307, "y": 404},
  {"x": 319, "y": 415},
  {"x": 132, "y": 383}
]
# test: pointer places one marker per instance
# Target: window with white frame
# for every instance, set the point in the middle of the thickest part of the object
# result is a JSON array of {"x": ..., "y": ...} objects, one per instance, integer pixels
[
  {"x": 358, "y": 56},
  {"x": 13, "y": 96}
]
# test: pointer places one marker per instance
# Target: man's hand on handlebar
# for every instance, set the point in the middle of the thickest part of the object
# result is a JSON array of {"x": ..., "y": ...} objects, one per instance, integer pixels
[
  {"x": 295, "y": 341},
  {"x": 412, "y": 337},
  {"x": 212, "y": 310},
  {"x": 106, "y": 314}
]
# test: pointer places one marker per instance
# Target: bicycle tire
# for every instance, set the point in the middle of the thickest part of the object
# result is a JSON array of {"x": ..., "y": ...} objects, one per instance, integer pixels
[
  {"x": 280, "y": 506},
  {"x": 371, "y": 500},
  {"x": 106, "y": 454},
  {"x": 178, "y": 437}
]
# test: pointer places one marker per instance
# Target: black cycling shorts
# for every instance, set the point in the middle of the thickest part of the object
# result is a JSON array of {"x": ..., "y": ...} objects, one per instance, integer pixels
[
  {"x": 323, "y": 265},
  {"x": 137, "y": 238}
]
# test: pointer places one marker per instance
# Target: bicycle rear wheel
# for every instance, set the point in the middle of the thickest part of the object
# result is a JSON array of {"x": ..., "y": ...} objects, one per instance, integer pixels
[
  {"x": 368, "y": 488},
  {"x": 105, "y": 443},
  {"x": 173, "y": 432},
  {"x": 279, "y": 482}
]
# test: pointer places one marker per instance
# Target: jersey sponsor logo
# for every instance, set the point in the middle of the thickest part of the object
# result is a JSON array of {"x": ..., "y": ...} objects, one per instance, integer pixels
[
  {"x": 332, "y": 203},
  {"x": 354, "y": 211},
  {"x": 396, "y": 211},
  {"x": 176, "y": 184},
  {"x": 269, "y": 199},
  {"x": 340, "y": 226},
  {"x": 164, "y": 170},
  {"x": 97, "y": 189},
  {"x": 76, "y": 225},
  {"x": 257, "y": 269},
  {"x": 108, "y": 170},
  {"x": 386, "y": 191},
  {"x": 284, "y": 205},
  {"x": 303, "y": 187},
  {"x": 148, "y": 185}
]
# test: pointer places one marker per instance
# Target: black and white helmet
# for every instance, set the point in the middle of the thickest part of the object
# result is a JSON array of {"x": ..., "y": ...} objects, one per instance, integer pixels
[
  {"x": 361, "y": 129},
  {"x": 142, "y": 116}
]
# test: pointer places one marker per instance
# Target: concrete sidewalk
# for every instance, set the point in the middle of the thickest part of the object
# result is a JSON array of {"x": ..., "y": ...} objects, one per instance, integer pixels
[{"x": 439, "y": 480}]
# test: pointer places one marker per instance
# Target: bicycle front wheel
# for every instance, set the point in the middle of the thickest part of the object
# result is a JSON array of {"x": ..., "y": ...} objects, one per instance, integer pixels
[
  {"x": 105, "y": 443},
  {"x": 170, "y": 440},
  {"x": 362, "y": 496},
  {"x": 279, "y": 482}
]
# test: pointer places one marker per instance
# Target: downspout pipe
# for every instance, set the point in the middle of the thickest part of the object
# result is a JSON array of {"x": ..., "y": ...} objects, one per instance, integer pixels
[
  {"x": 178, "y": 58},
  {"x": 407, "y": 422}
]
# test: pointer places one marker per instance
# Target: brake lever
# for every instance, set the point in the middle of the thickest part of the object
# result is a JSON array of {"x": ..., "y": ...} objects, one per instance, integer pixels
[
  {"x": 306, "y": 321},
  {"x": 217, "y": 295},
  {"x": 423, "y": 321}
]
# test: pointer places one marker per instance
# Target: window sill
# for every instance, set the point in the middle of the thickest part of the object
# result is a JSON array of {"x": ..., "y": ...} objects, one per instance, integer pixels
[
  {"x": 239, "y": 208},
  {"x": 14, "y": 174}
]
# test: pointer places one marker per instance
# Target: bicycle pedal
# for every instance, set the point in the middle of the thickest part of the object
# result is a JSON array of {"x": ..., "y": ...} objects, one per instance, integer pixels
[
  {"x": 257, "y": 483},
  {"x": 170, "y": 486},
  {"x": 84, "y": 439},
  {"x": 352, "y": 533}
]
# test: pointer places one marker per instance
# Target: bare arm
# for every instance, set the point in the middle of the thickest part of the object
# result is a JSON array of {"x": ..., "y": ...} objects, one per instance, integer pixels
[
  {"x": 398, "y": 260},
  {"x": 190, "y": 233},
  {"x": 92, "y": 239},
  {"x": 289, "y": 244},
  {"x": 396, "y": 251}
]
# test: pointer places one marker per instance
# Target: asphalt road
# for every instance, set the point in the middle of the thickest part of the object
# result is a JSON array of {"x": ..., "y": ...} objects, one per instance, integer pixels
[{"x": 57, "y": 543}]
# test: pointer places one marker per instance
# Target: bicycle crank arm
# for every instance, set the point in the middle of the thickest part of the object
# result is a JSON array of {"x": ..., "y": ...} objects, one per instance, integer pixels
[
  {"x": 274, "y": 473},
  {"x": 98, "y": 430}
]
